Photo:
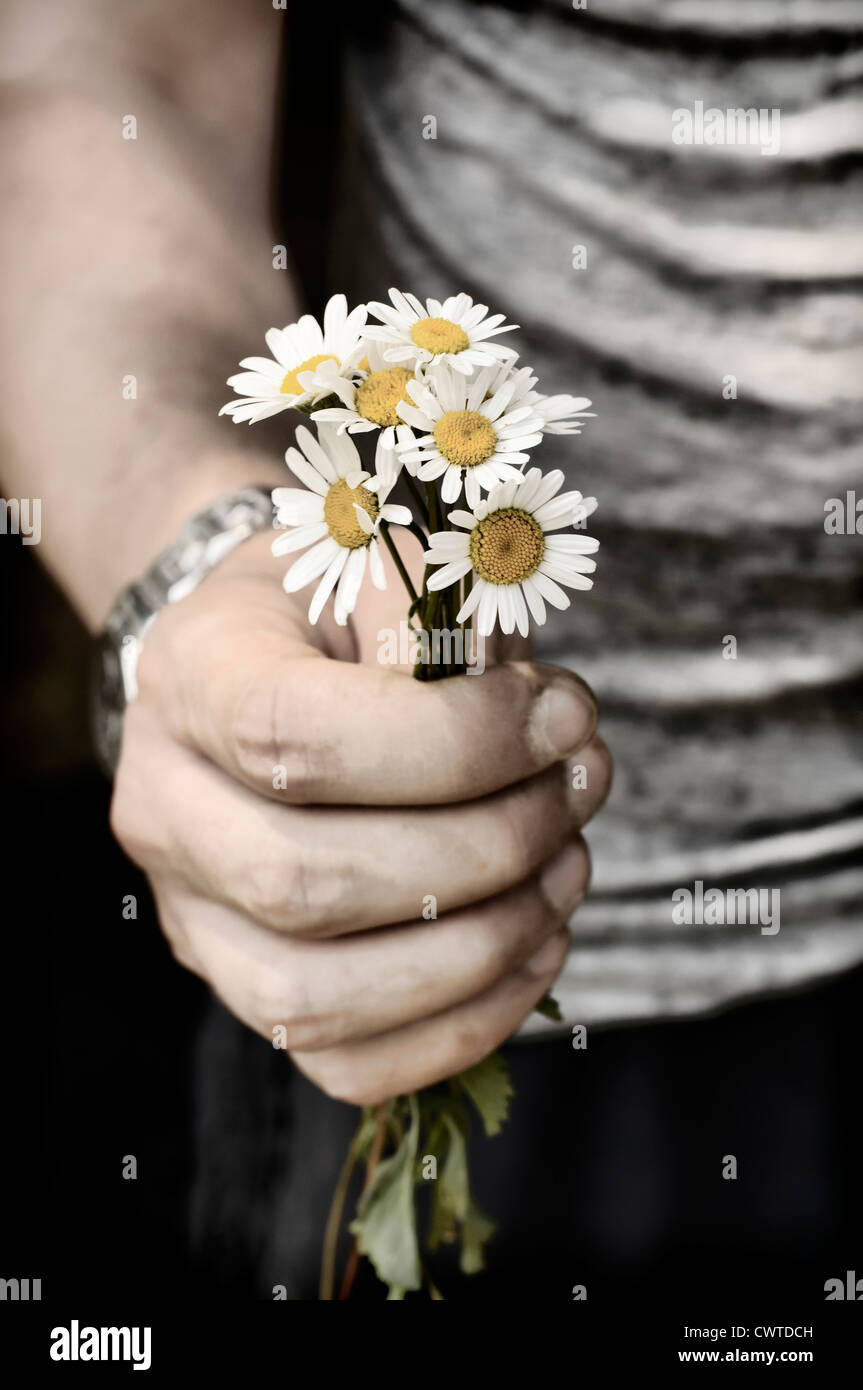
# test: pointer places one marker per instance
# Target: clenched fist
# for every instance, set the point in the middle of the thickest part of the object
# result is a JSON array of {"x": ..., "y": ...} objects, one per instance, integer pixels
[{"x": 295, "y": 803}]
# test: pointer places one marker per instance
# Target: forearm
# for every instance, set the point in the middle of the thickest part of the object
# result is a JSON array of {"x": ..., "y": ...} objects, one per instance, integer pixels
[{"x": 147, "y": 259}]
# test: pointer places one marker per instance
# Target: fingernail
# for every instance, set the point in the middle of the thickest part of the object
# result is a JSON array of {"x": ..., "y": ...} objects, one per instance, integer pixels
[
  {"x": 563, "y": 718},
  {"x": 563, "y": 879},
  {"x": 546, "y": 958}
]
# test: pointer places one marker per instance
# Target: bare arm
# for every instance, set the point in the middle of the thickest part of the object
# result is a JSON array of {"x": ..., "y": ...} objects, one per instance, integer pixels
[{"x": 148, "y": 257}]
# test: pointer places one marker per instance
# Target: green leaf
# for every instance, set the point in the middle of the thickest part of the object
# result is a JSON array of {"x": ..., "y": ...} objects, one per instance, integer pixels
[
  {"x": 489, "y": 1087},
  {"x": 549, "y": 1008},
  {"x": 453, "y": 1177},
  {"x": 452, "y": 1190},
  {"x": 385, "y": 1224},
  {"x": 476, "y": 1233}
]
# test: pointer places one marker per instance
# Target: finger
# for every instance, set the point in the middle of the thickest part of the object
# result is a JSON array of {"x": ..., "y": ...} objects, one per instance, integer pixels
[
  {"x": 297, "y": 726},
  {"x": 323, "y": 871},
  {"x": 318, "y": 994},
  {"x": 590, "y": 775},
  {"x": 429, "y": 1050}
]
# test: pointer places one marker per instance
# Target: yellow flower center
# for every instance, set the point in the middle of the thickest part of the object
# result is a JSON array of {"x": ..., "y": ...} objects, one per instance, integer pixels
[
  {"x": 290, "y": 384},
  {"x": 439, "y": 335},
  {"x": 465, "y": 437},
  {"x": 341, "y": 518},
  {"x": 380, "y": 393},
  {"x": 507, "y": 547}
]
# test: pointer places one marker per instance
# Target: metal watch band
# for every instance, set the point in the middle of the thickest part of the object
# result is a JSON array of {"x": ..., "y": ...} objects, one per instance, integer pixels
[{"x": 205, "y": 540}]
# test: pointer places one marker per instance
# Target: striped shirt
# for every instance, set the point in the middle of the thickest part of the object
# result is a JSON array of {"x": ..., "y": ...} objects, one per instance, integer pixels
[{"x": 707, "y": 297}]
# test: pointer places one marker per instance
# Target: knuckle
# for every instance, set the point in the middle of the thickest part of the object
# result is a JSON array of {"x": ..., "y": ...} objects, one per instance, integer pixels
[
  {"x": 514, "y": 834},
  {"x": 471, "y": 1043},
  {"x": 293, "y": 891},
  {"x": 284, "y": 1004},
  {"x": 266, "y": 744},
  {"x": 275, "y": 890},
  {"x": 132, "y": 829},
  {"x": 179, "y": 948},
  {"x": 501, "y": 951}
]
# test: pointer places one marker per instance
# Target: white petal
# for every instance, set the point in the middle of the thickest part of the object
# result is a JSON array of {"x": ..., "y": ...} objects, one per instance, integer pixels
[
  {"x": 335, "y": 314},
  {"x": 270, "y": 371},
  {"x": 499, "y": 401},
  {"x": 549, "y": 590},
  {"x": 405, "y": 308},
  {"x": 529, "y": 488},
  {"x": 449, "y": 573},
  {"x": 472, "y": 601},
  {"x": 460, "y": 518},
  {"x": 299, "y": 538},
  {"x": 573, "y": 545},
  {"x": 546, "y": 485},
  {"x": 534, "y": 600},
  {"x": 326, "y": 585},
  {"x": 554, "y": 514},
  {"x": 307, "y": 474},
  {"x": 252, "y": 384},
  {"x": 565, "y": 576},
  {"x": 285, "y": 496},
  {"x": 280, "y": 347},
  {"x": 451, "y": 486},
  {"x": 376, "y": 566},
  {"x": 304, "y": 510},
  {"x": 412, "y": 416},
  {"x": 396, "y": 515},
  {"x": 309, "y": 566},
  {"x": 521, "y": 619},
  {"x": 471, "y": 488},
  {"x": 314, "y": 451},
  {"x": 432, "y": 468},
  {"x": 505, "y": 608},
  {"x": 487, "y": 610},
  {"x": 447, "y": 545},
  {"x": 349, "y": 585}
]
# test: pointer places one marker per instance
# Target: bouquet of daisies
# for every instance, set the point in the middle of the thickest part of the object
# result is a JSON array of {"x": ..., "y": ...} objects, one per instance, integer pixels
[{"x": 454, "y": 422}]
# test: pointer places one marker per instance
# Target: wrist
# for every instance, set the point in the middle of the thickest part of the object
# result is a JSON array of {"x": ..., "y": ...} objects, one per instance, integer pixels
[
  {"x": 201, "y": 546},
  {"x": 159, "y": 514}
]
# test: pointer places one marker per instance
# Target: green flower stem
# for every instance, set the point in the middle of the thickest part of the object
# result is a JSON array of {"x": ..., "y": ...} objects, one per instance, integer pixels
[
  {"x": 334, "y": 1220},
  {"x": 418, "y": 499},
  {"x": 382, "y": 1118},
  {"x": 420, "y": 534},
  {"x": 399, "y": 562}
]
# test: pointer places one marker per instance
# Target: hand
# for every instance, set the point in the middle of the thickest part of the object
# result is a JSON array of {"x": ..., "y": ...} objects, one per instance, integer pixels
[{"x": 296, "y": 804}]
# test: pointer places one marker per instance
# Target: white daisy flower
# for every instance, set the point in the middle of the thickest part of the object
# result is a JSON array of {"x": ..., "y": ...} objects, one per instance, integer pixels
[
  {"x": 339, "y": 518},
  {"x": 515, "y": 564},
  {"x": 464, "y": 431},
  {"x": 559, "y": 414},
  {"x": 456, "y": 331},
  {"x": 306, "y": 357},
  {"x": 369, "y": 398}
]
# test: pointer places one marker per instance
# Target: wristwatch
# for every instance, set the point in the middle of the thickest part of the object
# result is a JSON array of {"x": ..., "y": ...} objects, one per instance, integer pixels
[{"x": 205, "y": 540}]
